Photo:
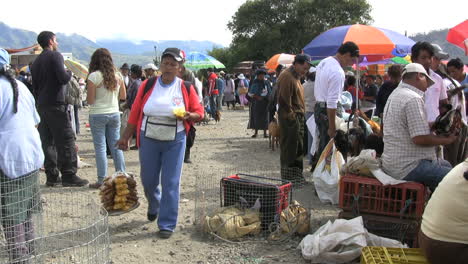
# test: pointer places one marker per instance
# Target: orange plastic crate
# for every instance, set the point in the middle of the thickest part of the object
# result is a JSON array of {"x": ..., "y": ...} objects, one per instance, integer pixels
[{"x": 368, "y": 195}]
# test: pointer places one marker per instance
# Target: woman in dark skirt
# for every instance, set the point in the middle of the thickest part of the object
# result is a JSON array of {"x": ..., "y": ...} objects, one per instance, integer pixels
[{"x": 259, "y": 92}]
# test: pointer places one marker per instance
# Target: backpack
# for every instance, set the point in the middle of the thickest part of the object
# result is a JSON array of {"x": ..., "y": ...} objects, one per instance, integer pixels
[{"x": 72, "y": 93}]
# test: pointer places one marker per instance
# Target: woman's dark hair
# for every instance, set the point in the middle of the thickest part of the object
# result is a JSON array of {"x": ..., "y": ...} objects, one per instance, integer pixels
[
  {"x": 394, "y": 71},
  {"x": 420, "y": 46},
  {"x": 457, "y": 63},
  {"x": 351, "y": 80},
  {"x": 44, "y": 37},
  {"x": 11, "y": 78},
  {"x": 101, "y": 60}
]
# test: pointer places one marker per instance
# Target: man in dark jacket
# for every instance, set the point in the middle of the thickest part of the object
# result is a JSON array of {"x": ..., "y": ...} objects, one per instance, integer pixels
[{"x": 57, "y": 136}]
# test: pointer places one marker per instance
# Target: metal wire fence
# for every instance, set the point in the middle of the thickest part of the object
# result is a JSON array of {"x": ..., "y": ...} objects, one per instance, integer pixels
[
  {"x": 246, "y": 199},
  {"x": 57, "y": 226}
]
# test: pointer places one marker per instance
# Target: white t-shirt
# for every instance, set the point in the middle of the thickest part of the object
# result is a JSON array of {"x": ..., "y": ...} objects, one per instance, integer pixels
[
  {"x": 433, "y": 95},
  {"x": 163, "y": 100},
  {"x": 106, "y": 101},
  {"x": 446, "y": 213},
  {"x": 329, "y": 82},
  {"x": 455, "y": 100}
]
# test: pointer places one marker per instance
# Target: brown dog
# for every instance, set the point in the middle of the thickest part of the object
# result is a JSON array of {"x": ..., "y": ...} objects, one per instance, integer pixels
[
  {"x": 274, "y": 132},
  {"x": 217, "y": 116}
]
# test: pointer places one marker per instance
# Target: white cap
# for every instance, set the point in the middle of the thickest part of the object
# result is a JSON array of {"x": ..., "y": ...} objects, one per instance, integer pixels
[
  {"x": 150, "y": 66},
  {"x": 349, "y": 73},
  {"x": 416, "y": 67}
]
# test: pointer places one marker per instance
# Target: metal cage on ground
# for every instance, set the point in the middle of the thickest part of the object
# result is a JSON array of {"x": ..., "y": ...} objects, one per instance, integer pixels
[{"x": 57, "y": 226}]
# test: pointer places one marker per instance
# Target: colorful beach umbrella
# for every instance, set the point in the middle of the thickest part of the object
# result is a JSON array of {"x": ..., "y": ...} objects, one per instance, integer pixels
[
  {"x": 375, "y": 43},
  {"x": 283, "y": 58},
  {"x": 77, "y": 68},
  {"x": 458, "y": 35},
  {"x": 197, "y": 61}
]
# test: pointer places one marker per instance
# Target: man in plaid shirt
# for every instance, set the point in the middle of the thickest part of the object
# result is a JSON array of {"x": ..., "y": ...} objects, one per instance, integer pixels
[{"x": 409, "y": 152}]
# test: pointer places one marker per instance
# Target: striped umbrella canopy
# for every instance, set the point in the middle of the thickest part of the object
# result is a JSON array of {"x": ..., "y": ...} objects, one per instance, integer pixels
[
  {"x": 374, "y": 43},
  {"x": 283, "y": 58},
  {"x": 458, "y": 35},
  {"x": 197, "y": 61},
  {"x": 77, "y": 68}
]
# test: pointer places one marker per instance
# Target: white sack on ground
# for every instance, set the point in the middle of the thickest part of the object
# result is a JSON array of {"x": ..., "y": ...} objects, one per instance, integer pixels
[{"x": 341, "y": 242}]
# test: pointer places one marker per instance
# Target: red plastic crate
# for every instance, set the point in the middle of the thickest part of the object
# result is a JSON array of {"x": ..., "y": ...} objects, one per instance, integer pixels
[
  {"x": 368, "y": 195},
  {"x": 274, "y": 194}
]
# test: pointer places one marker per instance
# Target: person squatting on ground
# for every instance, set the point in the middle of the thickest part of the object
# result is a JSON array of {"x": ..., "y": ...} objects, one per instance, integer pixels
[
  {"x": 20, "y": 160},
  {"x": 291, "y": 118},
  {"x": 259, "y": 92},
  {"x": 57, "y": 135},
  {"x": 105, "y": 88},
  {"x": 409, "y": 146},
  {"x": 161, "y": 138},
  {"x": 443, "y": 236},
  {"x": 329, "y": 83}
]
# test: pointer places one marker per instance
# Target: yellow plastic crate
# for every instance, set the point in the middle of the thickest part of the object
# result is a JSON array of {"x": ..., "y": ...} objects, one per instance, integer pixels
[{"x": 382, "y": 255}]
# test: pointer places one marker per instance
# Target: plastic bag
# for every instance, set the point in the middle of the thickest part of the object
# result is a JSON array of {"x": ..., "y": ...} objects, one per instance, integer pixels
[
  {"x": 341, "y": 242},
  {"x": 327, "y": 174}
]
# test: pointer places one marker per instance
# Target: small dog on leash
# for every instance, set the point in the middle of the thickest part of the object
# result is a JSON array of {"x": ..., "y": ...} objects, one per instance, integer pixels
[{"x": 274, "y": 132}]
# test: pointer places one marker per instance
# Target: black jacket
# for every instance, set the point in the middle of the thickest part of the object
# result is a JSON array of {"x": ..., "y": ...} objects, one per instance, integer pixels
[{"x": 49, "y": 78}]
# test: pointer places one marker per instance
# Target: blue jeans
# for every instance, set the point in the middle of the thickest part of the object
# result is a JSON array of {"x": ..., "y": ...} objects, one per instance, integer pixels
[
  {"x": 106, "y": 127},
  {"x": 429, "y": 172},
  {"x": 161, "y": 163},
  {"x": 309, "y": 137}
]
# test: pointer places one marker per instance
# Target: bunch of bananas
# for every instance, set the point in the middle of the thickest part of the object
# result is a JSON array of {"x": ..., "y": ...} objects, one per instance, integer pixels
[{"x": 119, "y": 192}]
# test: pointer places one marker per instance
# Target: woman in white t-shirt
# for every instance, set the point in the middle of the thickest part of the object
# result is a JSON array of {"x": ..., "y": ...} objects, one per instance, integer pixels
[
  {"x": 105, "y": 88},
  {"x": 161, "y": 137}
]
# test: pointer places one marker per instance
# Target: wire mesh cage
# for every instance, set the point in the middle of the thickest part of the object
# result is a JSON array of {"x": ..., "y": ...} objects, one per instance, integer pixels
[
  {"x": 249, "y": 199},
  {"x": 57, "y": 226}
]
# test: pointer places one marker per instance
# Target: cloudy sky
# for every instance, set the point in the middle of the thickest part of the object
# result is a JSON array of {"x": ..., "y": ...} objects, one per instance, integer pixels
[{"x": 197, "y": 19}]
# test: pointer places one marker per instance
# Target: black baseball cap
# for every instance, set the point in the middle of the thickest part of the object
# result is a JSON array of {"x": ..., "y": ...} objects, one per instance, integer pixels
[
  {"x": 303, "y": 57},
  {"x": 174, "y": 52}
]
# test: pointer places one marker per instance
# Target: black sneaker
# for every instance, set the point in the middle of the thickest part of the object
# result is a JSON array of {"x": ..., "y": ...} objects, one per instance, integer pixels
[
  {"x": 151, "y": 217},
  {"x": 165, "y": 234},
  {"x": 187, "y": 161},
  {"x": 74, "y": 182},
  {"x": 53, "y": 183}
]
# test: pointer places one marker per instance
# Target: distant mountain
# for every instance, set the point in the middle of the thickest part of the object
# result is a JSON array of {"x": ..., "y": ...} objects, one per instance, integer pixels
[
  {"x": 147, "y": 47},
  {"x": 82, "y": 48},
  {"x": 439, "y": 37}
]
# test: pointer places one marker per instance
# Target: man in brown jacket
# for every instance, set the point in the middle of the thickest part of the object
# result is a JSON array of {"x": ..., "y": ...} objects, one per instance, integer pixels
[{"x": 291, "y": 118}]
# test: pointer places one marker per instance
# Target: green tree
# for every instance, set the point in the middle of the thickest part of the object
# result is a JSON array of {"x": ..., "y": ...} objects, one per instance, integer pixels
[{"x": 262, "y": 28}]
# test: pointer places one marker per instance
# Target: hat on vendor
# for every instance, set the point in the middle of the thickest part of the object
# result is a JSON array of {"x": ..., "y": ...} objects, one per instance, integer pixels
[{"x": 417, "y": 68}]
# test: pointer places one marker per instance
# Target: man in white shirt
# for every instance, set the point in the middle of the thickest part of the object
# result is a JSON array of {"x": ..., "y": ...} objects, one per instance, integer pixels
[
  {"x": 423, "y": 53},
  {"x": 329, "y": 84}
]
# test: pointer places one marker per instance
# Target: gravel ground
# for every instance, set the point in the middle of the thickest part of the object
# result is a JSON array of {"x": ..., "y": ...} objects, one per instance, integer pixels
[{"x": 219, "y": 148}]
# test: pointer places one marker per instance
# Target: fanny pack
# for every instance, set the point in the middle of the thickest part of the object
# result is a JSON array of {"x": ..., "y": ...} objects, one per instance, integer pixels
[{"x": 161, "y": 128}]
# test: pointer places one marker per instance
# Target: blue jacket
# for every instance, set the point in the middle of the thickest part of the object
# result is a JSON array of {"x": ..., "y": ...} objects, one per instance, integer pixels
[{"x": 258, "y": 86}]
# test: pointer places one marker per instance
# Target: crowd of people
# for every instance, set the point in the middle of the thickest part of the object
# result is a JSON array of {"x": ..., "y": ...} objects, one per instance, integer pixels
[{"x": 421, "y": 108}]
